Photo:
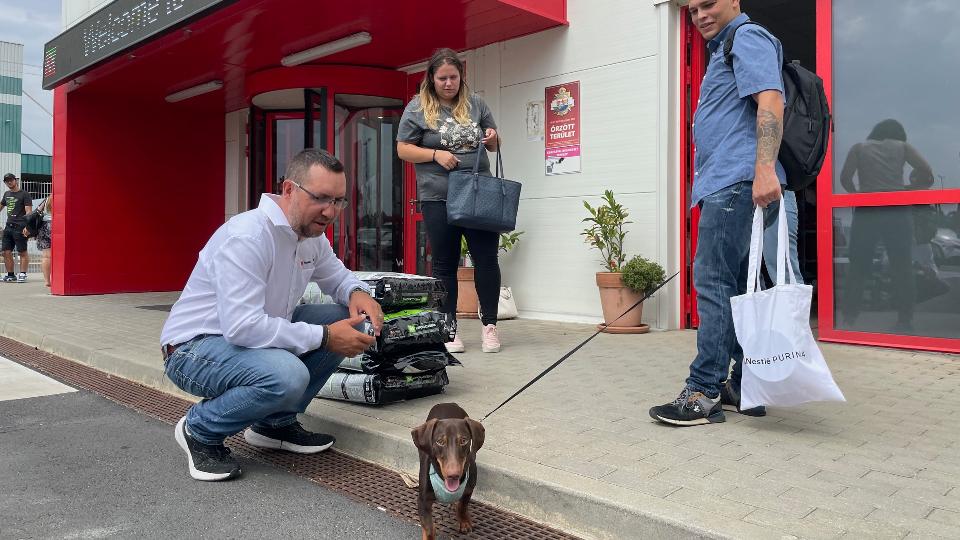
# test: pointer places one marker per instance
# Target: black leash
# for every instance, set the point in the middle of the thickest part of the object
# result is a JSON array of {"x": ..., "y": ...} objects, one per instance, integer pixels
[{"x": 577, "y": 348}]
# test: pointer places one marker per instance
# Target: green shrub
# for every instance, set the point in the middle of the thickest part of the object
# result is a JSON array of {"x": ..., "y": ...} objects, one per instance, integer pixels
[
  {"x": 642, "y": 275},
  {"x": 606, "y": 230}
]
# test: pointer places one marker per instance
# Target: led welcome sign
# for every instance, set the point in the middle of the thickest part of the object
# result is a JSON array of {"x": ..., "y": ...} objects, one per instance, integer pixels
[{"x": 115, "y": 28}]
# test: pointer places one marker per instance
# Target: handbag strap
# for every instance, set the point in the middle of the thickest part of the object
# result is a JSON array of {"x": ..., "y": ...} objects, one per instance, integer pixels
[{"x": 498, "y": 169}]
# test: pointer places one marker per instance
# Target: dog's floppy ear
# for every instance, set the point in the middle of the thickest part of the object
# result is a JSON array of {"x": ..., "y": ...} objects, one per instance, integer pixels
[
  {"x": 423, "y": 435},
  {"x": 476, "y": 434}
]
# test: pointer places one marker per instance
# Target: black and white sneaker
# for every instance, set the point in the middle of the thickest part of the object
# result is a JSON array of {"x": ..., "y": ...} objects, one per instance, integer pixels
[
  {"x": 22, "y": 277},
  {"x": 292, "y": 438},
  {"x": 9, "y": 278},
  {"x": 691, "y": 408},
  {"x": 730, "y": 399},
  {"x": 207, "y": 462}
]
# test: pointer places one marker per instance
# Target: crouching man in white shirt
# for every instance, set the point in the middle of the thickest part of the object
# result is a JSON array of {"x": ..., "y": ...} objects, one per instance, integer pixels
[{"x": 238, "y": 339}]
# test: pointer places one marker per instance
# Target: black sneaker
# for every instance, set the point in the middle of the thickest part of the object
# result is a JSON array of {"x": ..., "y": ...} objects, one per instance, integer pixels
[
  {"x": 292, "y": 438},
  {"x": 207, "y": 462},
  {"x": 689, "y": 409},
  {"x": 730, "y": 399}
]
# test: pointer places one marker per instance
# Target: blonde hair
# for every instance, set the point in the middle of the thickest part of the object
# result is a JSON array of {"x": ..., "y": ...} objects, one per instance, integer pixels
[{"x": 430, "y": 101}]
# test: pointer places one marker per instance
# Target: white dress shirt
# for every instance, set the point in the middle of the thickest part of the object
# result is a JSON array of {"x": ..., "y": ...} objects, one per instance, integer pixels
[{"x": 248, "y": 280}]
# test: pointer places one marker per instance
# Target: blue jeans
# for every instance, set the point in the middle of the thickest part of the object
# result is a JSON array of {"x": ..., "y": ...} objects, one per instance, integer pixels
[
  {"x": 770, "y": 237},
  {"x": 719, "y": 273},
  {"x": 242, "y": 387}
]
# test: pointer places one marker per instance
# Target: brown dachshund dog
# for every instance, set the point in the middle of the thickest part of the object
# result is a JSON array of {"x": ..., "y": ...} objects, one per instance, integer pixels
[{"x": 448, "y": 442}]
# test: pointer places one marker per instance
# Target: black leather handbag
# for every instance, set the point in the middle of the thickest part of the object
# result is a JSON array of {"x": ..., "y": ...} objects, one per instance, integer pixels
[
  {"x": 478, "y": 201},
  {"x": 34, "y": 220}
]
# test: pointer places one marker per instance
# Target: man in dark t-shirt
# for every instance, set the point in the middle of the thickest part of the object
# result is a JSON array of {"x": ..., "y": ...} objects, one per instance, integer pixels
[{"x": 16, "y": 204}]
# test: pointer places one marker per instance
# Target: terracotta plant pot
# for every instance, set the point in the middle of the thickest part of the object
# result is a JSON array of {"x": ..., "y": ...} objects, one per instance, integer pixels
[
  {"x": 467, "y": 303},
  {"x": 615, "y": 298}
]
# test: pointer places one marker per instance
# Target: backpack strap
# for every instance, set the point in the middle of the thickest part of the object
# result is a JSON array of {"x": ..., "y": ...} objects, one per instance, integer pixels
[{"x": 728, "y": 43}]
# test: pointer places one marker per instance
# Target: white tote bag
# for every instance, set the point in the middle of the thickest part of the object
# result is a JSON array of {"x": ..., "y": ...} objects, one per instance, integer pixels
[
  {"x": 782, "y": 364},
  {"x": 506, "y": 305}
]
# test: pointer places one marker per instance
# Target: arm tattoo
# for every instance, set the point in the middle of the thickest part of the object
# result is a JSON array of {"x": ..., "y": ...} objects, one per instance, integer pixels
[{"x": 769, "y": 134}]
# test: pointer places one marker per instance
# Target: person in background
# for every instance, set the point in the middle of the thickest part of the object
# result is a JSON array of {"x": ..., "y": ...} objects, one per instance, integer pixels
[
  {"x": 43, "y": 235},
  {"x": 440, "y": 131},
  {"x": 878, "y": 164},
  {"x": 17, "y": 204}
]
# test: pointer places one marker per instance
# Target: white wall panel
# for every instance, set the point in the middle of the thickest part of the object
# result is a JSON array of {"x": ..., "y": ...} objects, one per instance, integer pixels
[
  {"x": 9, "y": 162},
  {"x": 552, "y": 270},
  {"x": 601, "y": 32},
  {"x": 618, "y": 119},
  {"x": 624, "y": 55},
  {"x": 11, "y": 59},
  {"x": 74, "y": 11}
]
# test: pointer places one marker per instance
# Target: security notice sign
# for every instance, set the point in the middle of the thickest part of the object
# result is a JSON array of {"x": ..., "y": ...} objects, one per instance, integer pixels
[{"x": 562, "y": 129}]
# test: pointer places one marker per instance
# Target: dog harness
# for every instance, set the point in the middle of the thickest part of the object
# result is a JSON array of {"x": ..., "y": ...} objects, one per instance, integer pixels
[{"x": 440, "y": 489}]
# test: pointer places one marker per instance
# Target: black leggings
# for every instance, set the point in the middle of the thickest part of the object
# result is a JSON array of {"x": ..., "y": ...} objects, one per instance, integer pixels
[{"x": 445, "y": 246}]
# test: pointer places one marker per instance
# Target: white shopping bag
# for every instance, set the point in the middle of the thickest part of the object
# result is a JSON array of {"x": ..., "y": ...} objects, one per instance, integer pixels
[{"x": 782, "y": 364}]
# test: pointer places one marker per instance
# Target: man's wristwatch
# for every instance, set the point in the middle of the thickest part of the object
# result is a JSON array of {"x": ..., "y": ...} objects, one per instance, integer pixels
[
  {"x": 355, "y": 289},
  {"x": 326, "y": 336}
]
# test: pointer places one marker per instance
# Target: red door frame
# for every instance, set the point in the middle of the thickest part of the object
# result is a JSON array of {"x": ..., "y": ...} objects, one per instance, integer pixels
[
  {"x": 694, "y": 59},
  {"x": 827, "y": 201},
  {"x": 411, "y": 209}
]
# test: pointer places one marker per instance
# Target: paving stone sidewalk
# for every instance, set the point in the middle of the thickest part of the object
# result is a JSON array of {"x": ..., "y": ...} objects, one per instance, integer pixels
[{"x": 884, "y": 465}]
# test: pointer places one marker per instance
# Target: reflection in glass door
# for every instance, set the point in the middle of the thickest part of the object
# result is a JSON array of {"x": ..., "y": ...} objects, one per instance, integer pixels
[
  {"x": 287, "y": 139},
  {"x": 890, "y": 191},
  {"x": 369, "y": 234}
]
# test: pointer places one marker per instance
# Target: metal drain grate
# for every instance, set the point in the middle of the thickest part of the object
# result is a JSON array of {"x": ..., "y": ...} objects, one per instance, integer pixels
[{"x": 364, "y": 481}]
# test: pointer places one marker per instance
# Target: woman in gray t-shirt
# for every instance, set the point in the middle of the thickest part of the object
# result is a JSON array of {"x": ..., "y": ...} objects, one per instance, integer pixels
[{"x": 439, "y": 132}]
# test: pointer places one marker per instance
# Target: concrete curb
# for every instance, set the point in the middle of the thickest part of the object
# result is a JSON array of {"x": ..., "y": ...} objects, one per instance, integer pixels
[{"x": 509, "y": 483}]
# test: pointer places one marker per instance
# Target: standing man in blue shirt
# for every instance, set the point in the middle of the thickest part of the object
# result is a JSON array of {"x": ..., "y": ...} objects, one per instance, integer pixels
[{"x": 737, "y": 131}]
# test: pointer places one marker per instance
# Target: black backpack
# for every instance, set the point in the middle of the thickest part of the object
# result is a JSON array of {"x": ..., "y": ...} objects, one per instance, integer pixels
[{"x": 806, "y": 120}]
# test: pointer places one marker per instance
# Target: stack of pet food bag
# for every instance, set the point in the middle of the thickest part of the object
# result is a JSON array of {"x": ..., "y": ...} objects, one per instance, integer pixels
[{"x": 409, "y": 359}]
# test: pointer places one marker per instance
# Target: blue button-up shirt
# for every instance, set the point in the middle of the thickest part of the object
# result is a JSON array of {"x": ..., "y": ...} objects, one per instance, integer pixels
[{"x": 725, "y": 124}]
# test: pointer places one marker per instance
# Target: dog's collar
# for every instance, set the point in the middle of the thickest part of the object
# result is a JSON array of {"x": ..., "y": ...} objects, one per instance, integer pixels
[{"x": 440, "y": 489}]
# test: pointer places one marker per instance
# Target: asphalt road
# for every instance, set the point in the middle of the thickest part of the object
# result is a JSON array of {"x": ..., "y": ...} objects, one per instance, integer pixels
[{"x": 75, "y": 465}]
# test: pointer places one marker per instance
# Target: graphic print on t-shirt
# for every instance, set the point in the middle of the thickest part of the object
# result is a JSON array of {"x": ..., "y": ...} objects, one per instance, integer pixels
[{"x": 459, "y": 137}]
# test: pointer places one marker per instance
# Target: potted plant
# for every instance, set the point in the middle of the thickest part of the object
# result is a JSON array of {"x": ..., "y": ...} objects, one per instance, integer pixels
[
  {"x": 617, "y": 293},
  {"x": 468, "y": 305}
]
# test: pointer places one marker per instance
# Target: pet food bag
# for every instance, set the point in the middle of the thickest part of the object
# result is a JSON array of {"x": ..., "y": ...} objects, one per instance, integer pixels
[
  {"x": 381, "y": 388},
  {"x": 403, "y": 329},
  {"x": 411, "y": 360},
  {"x": 397, "y": 291}
]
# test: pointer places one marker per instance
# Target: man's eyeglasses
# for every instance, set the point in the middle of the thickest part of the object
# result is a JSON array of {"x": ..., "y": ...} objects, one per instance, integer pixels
[{"x": 323, "y": 200}]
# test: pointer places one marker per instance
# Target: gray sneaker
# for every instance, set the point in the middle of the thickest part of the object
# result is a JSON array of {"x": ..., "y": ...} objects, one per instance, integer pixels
[
  {"x": 691, "y": 408},
  {"x": 9, "y": 278},
  {"x": 22, "y": 277}
]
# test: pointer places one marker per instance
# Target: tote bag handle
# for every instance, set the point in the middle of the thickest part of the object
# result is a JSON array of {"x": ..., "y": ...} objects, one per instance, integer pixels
[{"x": 756, "y": 250}]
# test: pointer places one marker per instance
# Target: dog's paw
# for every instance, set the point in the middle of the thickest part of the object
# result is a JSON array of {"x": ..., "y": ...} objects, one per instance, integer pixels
[{"x": 466, "y": 525}]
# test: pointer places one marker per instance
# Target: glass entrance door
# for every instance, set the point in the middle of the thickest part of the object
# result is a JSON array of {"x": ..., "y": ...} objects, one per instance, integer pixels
[
  {"x": 889, "y": 197},
  {"x": 369, "y": 234}
]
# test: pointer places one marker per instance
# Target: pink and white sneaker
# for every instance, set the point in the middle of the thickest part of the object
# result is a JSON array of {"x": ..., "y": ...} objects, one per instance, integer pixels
[
  {"x": 456, "y": 345},
  {"x": 489, "y": 339}
]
